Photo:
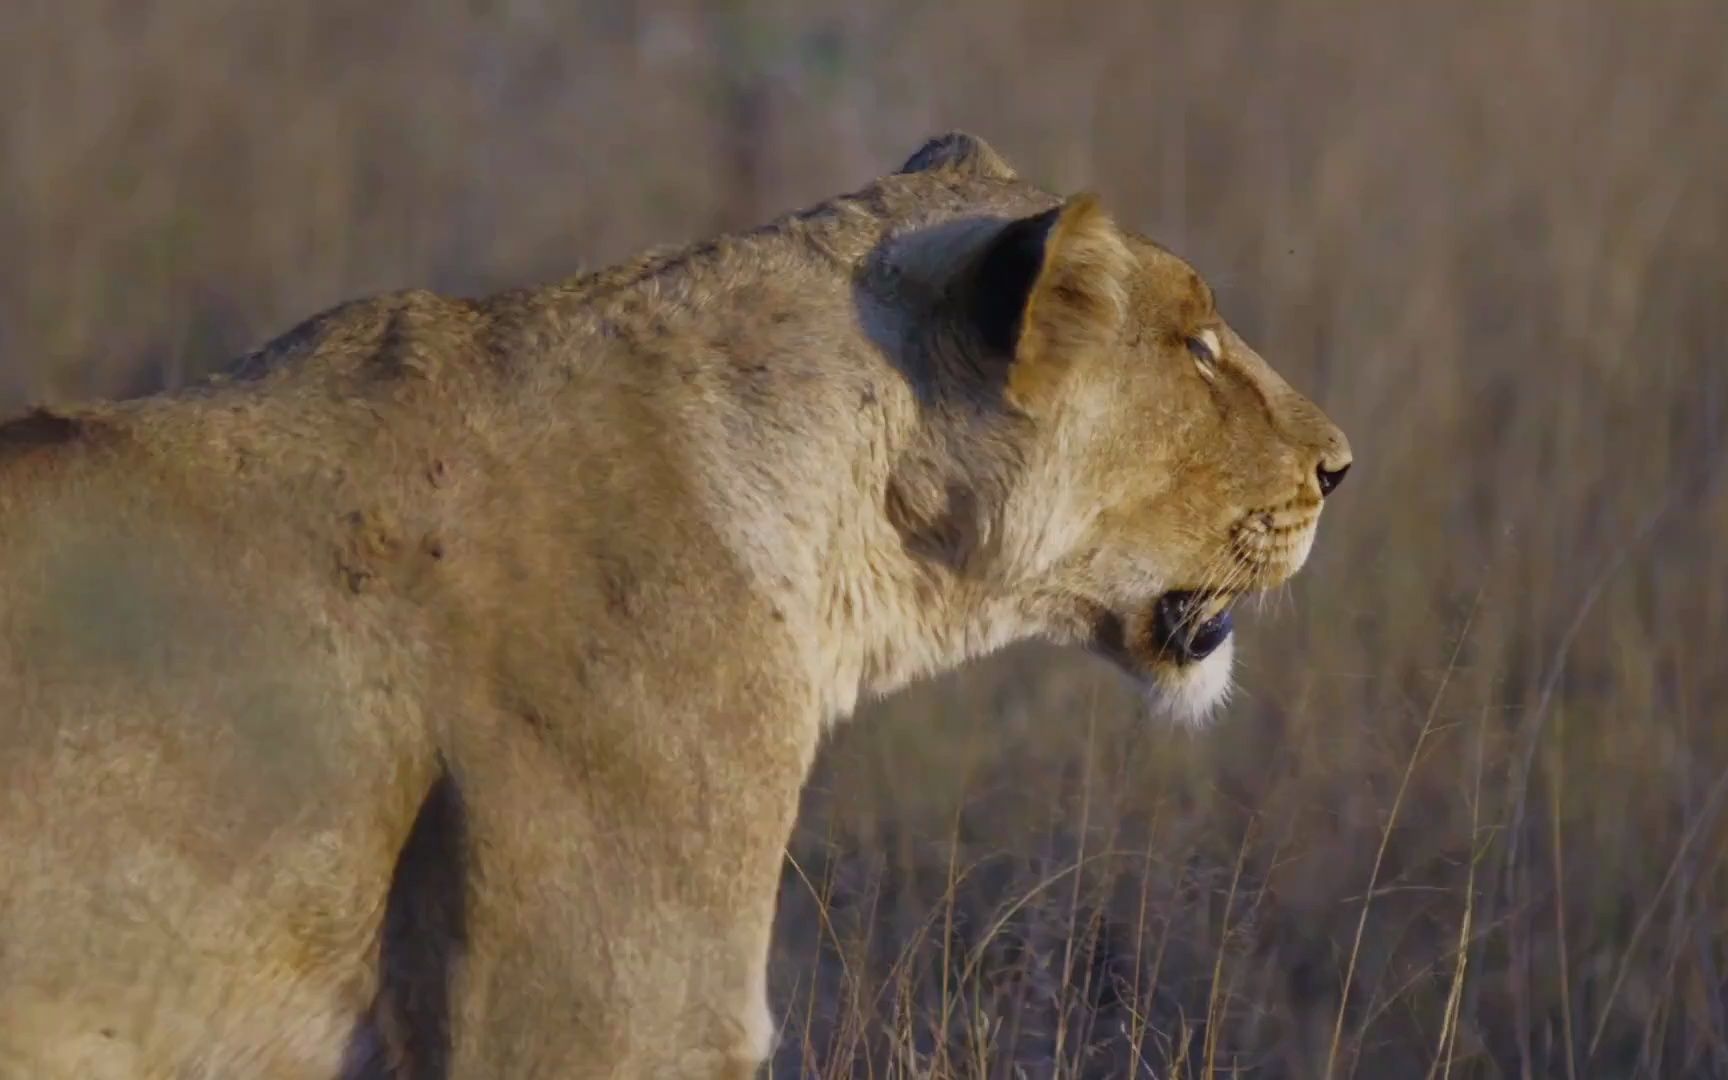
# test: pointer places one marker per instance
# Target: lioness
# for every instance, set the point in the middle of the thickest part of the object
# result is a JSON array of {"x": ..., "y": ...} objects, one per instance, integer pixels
[{"x": 430, "y": 694}]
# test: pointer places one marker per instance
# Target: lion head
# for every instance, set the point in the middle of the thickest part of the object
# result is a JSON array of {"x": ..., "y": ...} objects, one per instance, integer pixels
[{"x": 1131, "y": 467}]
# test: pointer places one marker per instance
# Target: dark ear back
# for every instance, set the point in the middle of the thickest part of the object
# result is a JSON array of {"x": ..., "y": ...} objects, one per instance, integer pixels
[
  {"x": 1047, "y": 289},
  {"x": 1001, "y": 290},
  {"x": 959, "y": 152}
]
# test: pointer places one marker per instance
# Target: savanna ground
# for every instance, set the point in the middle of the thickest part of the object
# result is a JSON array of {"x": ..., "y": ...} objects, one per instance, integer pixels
[{"x": 1465, "y": 815}]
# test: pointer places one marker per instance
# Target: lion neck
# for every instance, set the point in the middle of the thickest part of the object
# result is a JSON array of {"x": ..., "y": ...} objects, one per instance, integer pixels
[
  {"x": 898, "y": 547},
  {"x": 878, "y": 525}
]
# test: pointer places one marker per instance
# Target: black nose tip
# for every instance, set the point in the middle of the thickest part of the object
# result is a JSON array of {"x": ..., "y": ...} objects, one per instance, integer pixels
[{"x": 1330, "y": 478}]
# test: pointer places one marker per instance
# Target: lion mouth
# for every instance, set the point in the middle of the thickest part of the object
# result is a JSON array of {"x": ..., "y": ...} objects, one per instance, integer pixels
[
  {"x": 1176, "y": 644},
  {"x": 1187, "y": 626}
]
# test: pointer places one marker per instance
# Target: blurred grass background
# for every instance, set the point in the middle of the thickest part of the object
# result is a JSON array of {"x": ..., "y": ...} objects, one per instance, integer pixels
[{"x": 1465, "y": 816}]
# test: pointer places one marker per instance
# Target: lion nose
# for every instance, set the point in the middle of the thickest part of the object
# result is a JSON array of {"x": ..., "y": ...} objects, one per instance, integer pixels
[
  {"x": 1335, "y": 461},
  {"x": 1330, "y": 478},
  {"x": 1332, "y": 457}
]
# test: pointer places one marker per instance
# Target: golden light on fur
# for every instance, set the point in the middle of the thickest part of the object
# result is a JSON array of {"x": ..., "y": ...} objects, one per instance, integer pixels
[
  {"x": 439, "y": 682},
  {"x": 1076, "y": 303}
]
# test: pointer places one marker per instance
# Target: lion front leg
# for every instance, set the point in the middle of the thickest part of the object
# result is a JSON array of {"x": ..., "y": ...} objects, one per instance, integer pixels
[
  {"x": 593, "y": 947},
  {"x": 545, "y": 989}
]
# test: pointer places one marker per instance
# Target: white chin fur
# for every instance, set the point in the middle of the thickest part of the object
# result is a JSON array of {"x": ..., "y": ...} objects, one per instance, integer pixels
[{"x": 1189, "y": 694}]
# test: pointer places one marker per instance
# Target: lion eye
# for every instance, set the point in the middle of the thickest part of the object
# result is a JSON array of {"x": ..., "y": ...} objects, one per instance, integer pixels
[{"x": 1204, "y": 346}]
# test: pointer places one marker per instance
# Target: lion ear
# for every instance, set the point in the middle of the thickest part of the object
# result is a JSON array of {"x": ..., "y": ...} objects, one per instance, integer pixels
[
  {"x": 961, "y": 152},
  {"x": 1047, "y": 289}
]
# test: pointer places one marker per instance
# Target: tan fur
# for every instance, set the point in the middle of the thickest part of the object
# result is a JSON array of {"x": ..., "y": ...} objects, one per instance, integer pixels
[{"x": 435, "y": 687}]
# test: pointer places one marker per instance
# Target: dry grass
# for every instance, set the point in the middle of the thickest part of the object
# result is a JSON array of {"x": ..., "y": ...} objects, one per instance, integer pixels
[{"x": 1492, "y": 239}]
